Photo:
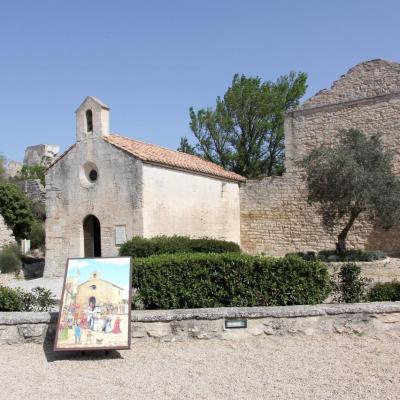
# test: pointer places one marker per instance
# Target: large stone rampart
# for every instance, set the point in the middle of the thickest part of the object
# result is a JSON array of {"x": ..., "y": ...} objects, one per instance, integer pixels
[{"x": 275, "y": 215}]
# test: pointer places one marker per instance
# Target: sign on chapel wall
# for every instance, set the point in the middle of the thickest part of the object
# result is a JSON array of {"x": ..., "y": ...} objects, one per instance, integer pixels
[{"x": 120, "y": 235}]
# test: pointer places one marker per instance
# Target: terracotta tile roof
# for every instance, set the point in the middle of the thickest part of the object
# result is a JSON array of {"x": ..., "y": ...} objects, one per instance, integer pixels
[{"x": 159, "y": 155}]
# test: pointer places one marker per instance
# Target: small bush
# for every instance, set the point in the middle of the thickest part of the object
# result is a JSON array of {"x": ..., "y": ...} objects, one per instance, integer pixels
[
  {"x": 348, "y": 285},
  {"x": 10, "y": 260},
  {"x": 10, "y": 300},
  {"x": 231, "y": 279},
  {"x": 351, "y": 255},
  {"x": 141, "y": 247},
  {"x": 373, "y": 255},
  {"x": 39, "y": 299},
  {"x": 308, "y": 255},
  {"x": 387, "y": 291}
]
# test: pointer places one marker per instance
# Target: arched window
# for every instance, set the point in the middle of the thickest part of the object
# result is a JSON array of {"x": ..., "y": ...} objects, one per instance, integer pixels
[{"x": 89, "y": 121}]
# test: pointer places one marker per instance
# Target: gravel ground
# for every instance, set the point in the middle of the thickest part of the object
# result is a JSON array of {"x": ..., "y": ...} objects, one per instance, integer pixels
[{"x": 319, "y": 367}]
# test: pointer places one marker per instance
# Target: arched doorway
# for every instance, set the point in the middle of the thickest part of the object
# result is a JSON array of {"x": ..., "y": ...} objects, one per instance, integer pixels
[{"x": 92, "y": 236}]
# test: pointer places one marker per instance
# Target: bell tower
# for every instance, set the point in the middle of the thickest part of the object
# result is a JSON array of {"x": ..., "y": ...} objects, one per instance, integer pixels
[{"x": 92, "y": 119}]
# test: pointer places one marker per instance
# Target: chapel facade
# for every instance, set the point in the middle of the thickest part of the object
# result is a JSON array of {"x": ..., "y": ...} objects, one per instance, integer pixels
[{"x": 107, "y": 188}]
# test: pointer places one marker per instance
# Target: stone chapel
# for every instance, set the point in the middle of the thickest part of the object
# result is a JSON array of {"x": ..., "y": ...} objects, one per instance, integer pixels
[{"x": 107, "y": 188}]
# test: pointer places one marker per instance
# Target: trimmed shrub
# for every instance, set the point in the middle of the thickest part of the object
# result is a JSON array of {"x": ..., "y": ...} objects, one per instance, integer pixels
[
  {"x": 10, "y": 260},
  {"x": 39, "y": 299},
  {"x": 141, "y": 247},
  {"x": 348, "y": 285},
  {"x": 387, "y": 291},
  {"x": 231, "y": 279},
  {"x": 351, "y": 255}
]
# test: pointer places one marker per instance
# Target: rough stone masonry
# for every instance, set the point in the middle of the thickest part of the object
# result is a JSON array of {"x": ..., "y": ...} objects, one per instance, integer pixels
[{"x": 275, "y": 215}]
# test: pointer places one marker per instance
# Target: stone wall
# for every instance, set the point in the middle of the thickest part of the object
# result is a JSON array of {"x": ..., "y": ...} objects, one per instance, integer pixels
[
  {"x": 275, "y": 215},
  {"x": 209, "y": 323},
  {"x": 41, "y": 154},
  {"x": 6, "y": 234},
  {"x": 12, "y": 169},
  {"x": 34, "y": 189}
]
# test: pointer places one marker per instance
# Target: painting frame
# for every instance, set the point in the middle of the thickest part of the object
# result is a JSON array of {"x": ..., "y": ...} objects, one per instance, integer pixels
[{"x": 57, "y": 348}]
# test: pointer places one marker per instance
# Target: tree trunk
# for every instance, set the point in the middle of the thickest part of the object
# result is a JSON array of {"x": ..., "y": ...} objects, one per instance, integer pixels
[{"x": 341, "y": 246}]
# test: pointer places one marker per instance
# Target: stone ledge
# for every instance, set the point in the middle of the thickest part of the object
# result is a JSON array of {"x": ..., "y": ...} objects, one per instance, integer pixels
[
  {"x": 18, "y": 318},
  {"x": 261, "y": 312}
]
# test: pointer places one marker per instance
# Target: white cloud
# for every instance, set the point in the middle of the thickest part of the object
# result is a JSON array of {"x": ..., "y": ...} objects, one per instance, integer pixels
[{"x": 78, "y": 264}]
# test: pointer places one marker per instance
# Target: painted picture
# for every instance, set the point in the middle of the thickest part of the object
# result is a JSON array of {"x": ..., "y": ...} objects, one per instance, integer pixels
[{"x": 95, "y": 308}]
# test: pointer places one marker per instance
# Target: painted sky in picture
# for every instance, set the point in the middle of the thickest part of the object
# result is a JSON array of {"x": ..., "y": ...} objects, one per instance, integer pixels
[{"x": 114, "y": 270}]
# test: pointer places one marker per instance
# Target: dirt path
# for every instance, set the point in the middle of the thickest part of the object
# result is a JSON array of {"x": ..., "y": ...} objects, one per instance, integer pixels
[{"x": 324, "y": 367}]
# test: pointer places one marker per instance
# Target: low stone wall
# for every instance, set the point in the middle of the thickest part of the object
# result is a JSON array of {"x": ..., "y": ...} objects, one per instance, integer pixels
[{"x": 209, "y": 323}]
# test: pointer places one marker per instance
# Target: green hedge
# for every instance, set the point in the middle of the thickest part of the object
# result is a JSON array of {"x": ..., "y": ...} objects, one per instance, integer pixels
[
  {"x": 388, "y": 291},
  {"x": 141, "y": 247},
  {"x": 215, "y": 280}
]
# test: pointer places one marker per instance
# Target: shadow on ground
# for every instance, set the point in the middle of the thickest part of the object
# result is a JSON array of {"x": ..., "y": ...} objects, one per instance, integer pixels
[{"x": 82, "y": 355}]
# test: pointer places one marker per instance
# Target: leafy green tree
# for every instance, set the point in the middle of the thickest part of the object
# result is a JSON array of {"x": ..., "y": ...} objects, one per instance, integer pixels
[
  {"x": 351, "y": 178},
  {"x": 244, "y": 132},
  {"x": 186, "y": 147},
  {"x": 33, "y": 172},
  {"x": 2, "y": 166},
  {"x": 15, "y": 209}
]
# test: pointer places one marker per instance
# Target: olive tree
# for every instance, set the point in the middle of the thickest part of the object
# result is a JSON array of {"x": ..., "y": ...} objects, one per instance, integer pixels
[{"x": 352, "y": 178}]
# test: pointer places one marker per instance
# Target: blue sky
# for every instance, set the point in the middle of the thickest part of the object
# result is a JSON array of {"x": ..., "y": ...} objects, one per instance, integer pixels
[{"x": 151, "y": 60}]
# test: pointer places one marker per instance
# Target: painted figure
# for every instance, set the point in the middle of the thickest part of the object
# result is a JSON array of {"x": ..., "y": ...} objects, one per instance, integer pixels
[
  {"x": 64, "y": 331},
  {"x": 70, "y": 321},
  {"x": 77, "y": 333},
  {"x": 108, "y": 328},
  {"x": 89, "y": 337},
  {"x": 117, "y": 328},
  {"x": 90, "y": 320}
]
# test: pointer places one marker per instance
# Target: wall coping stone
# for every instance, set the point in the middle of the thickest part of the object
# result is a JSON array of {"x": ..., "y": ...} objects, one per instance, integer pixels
[
  {"x": 332, "y": 107},
  {"x": 20, "y": 318},
  {"x": 32, "y": 317}
]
